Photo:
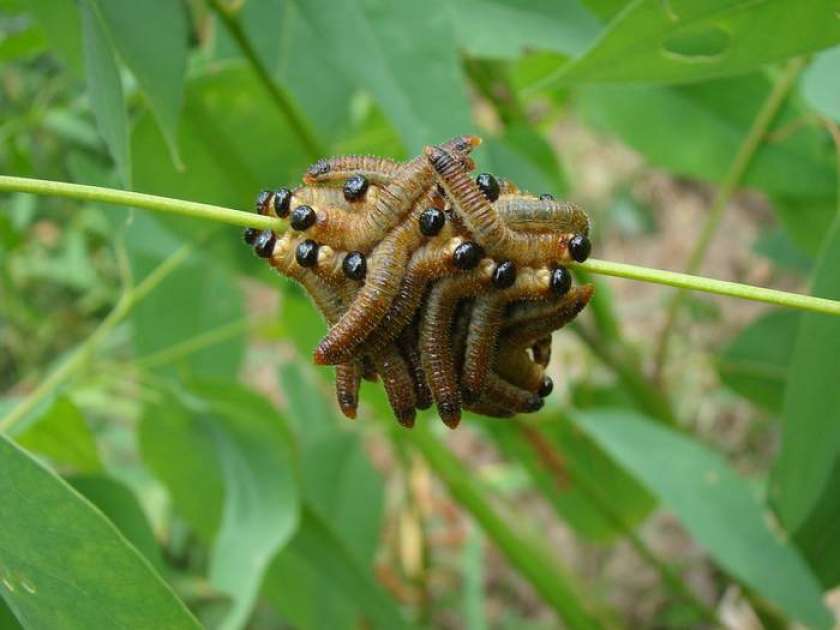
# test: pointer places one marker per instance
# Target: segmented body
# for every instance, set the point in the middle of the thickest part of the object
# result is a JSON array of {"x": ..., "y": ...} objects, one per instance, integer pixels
[{"x": 447, "y": 287}]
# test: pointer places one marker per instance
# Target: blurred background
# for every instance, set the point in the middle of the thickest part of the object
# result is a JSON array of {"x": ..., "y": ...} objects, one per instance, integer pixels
[{"x": 684, "y": 473}]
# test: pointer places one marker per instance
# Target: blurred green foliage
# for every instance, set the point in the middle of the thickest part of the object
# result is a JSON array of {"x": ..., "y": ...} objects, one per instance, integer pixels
[{"x": 195, "y": 470}]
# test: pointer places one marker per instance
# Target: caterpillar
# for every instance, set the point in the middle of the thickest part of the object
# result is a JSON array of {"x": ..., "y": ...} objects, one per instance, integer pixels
[{"x": 445, "y": 286}]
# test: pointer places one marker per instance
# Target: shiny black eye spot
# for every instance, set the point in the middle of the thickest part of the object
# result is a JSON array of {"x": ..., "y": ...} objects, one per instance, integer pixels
[
  {"x": 355, "y": 187},
  {"x": 261, "y": 201},
  {"x": 546, "y": 197},
  {"x": 489, "y": 185},
  {"x": 580, "y": 247},
  {"x": 303, "y": 217},
  {"x": 282, "y": 197},
  {"x": 561, "y": 280},
  {"x": 354, "y": 265},
  {"x": 467, "y": 255},
  {"x": 264, "y": 244},
  {"x": 306, "y": 253},
  {"x": 431, "y": 221},
  {"x": 535, "y": 404},
  {"x": 546, "y": 388},
  {"x": 250, "y": 235},
  {"x": 504, "y": 275}
]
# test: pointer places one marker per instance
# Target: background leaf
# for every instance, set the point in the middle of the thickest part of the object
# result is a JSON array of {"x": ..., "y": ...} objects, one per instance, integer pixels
[
  {"x": 805, "y": 477},
  {"x": 44, "y": 519},
  {"x": 756, "y": 363},
  {"x": 396, "y": 65},
  {"x": 159, "y": 69},
  {"x": 506, "y": 28},
  {"x": 715, "y": 505},
  {"x": 685, "y": 40},
  {"x": 105, "y": 87}
]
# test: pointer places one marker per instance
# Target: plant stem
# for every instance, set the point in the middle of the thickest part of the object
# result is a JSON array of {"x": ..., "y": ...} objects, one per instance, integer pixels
[
  {"x": 85, "y": 351},
  {"x": 139, "y": 200},
  {"x": 710, "y": 285},
  {"x": 250, "y": 219},
  {"x": 284, "y": 103},
  {"x": 535, "y": 563},
  {"x": 743, "y": 158}
]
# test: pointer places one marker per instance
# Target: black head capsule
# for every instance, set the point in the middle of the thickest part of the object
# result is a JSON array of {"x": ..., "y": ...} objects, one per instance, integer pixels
[
  {"x": 306, "y": 253},
  {"x": 580, "y": 247},
  {"x": 355, "y": 187},
  {"x": 561, "y": 280},
  {"x": 431, "y": 221},
  {"x": 282, "y": 197},
  {"x": 504, "y": 275},
  {"x": 534, "y": 404},
  {"x": 250, "y": 235},
  {"x": 546, "y": 388},
  {"x": 264, "y": 244},
  {"x": 467, "y": 255},
  {"x": 262, "y": 201},
  {"x": 546, "y": 197},
  {"x": 354, "y": 266},
  {"x": 489, "y": 185},
  {"x": 303, "y": 217}
]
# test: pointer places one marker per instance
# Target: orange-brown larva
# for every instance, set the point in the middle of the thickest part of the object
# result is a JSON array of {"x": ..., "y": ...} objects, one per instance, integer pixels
[{"x": 444, "y": 286}]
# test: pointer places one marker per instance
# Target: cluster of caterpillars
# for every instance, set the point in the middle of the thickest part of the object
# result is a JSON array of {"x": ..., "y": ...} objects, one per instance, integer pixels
[{"x": 446, "y": 287}]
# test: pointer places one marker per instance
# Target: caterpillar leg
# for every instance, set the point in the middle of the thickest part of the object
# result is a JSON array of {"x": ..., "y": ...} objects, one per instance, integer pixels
[
  {"x": 399, "y": 385},
  {"x": 407, "y": 343},
  {"x": 348, "y": 378}
]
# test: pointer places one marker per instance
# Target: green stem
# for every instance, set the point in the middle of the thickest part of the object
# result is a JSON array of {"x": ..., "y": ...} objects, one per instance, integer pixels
[
  {"x": 709, "y": 285},
  {"x": 236, "y": 217},
  {"x": 536, "y": 564},
  {"x": 83, "y": 192},
  {"x": 85, "y": 351},
  {"x": 281, "y": 99},
  {"x": 743, "y": 158}
]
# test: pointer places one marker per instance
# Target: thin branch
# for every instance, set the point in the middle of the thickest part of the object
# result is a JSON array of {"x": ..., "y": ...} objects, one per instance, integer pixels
[
  {"x": 284, "y": 103},
  {"x": 85, "y": 351},
  {"x": 249, "y": 219},
  {"x": 743, "y": 158}
]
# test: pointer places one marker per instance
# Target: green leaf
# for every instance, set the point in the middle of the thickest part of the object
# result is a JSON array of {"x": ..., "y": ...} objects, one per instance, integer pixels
[
  {"x": 64, "y": 565},
  {"x": 688, "y": 40},
  {"x": 21, "y": 44},
  {"x": 252, "y": 457},
  {"x": 342, "y": 487},
  {"x": 819, "y": 84},
  {"x": 605, "y": 9},
  {"x": 506, "y": 28},
  {"x": 587, "y": 467},
  {"x": 123, "y": 509},
  {"x": 807, "y": 466},
  {"x": 711, "y": 120},
  {"x": 206, "y": 302},
  {"x": 105, "y": 89},
  {"x": 62, "y": 23},
  {"x": 62, "y": 434},
  {"x": 314, "y": 553},
  {"x": 717, "y": 507},
  {"x": 158, "y": 61},
  {"x": 179, "y": 451},
  {"x": 756, "y": 363},
  {"x": 371, "y": 44}
]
